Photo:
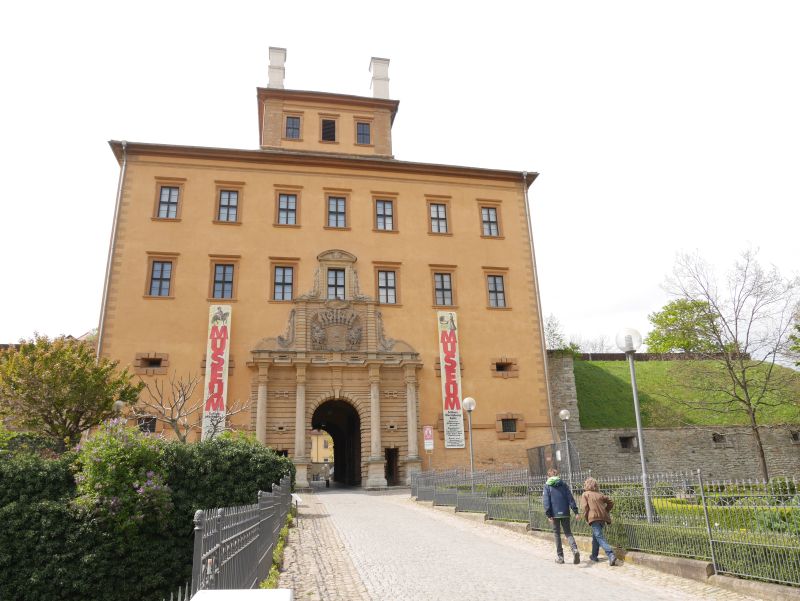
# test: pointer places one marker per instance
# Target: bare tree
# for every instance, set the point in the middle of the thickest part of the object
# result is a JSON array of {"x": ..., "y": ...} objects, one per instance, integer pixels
[
  {"x": 173, "y": 403},
  {"x": 749, "y": 322},
  {"x": 553, "y": 334}
]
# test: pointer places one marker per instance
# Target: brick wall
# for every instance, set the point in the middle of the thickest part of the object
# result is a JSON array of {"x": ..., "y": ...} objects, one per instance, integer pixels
[{"x": 731, "y": 455}]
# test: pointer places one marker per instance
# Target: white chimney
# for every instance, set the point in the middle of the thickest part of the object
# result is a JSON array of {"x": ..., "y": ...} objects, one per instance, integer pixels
[
  {"x": 277, "y": 58},
  {"x": 379, "y": 67}
]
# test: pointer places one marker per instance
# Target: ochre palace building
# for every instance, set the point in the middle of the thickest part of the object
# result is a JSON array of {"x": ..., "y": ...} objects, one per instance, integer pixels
[{"x": 324, "y": 285}]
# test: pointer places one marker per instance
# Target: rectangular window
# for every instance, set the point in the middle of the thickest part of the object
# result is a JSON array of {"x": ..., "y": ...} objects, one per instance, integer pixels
[
  {"x": 438, "y": 218},
  {"x": 497, "y": 293},
  {"x": 337, "y": 211},
  {"x": 325, "y": 444},
  {"x": 387, "y": 287},
  {"x": 336, "y": 283},
  {"x": 223, "y": 280},
  {"x": 168, "y": 202},
  {"x": 509, "y": 425},
  {"x": 363, "y": 133},
  {"x": 284, "y": 281},
  {"x": 228, "y": 206},
  {"x": 293, "y": 128},
  {"x": 329, "y": 130},
  {"x": 489, "y": 220},
  {"x": 443, "y": 288},
  {"x": 287, "y": 209},
  {"x": 384, "y": 215},
  {"x": 160, "y": 278},
  {"x": 628, "y": 442},
  {"x": 147, "y": 424}
]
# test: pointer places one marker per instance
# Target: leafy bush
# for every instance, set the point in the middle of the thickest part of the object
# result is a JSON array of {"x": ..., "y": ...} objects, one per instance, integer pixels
[{"x": 29, "y": 478}]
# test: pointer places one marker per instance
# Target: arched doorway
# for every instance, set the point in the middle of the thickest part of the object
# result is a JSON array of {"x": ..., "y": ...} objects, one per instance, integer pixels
[{"x": 340, "y": 419}]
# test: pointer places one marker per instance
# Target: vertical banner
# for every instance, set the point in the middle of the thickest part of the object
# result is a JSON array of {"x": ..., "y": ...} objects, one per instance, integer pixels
[
  {"x": 215, "y": 390},
  {"x": 449, "y": 357},
  {"x": 427, "y": 437}
]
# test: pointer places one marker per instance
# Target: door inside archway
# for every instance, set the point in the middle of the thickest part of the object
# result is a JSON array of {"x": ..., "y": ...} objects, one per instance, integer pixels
[{"x": 340, "y": 419}]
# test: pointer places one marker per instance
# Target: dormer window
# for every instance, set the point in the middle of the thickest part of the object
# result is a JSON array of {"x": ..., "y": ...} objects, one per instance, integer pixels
[{"x": 328, "y": 130}]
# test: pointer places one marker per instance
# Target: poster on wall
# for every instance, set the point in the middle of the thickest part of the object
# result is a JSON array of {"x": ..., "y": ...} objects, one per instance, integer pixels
[
  {"x": 449, "y": 357},
  {"x": 215, "y": 389}
]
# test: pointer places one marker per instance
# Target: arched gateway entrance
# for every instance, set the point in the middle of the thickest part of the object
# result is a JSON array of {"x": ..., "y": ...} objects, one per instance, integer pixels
[
  {"x": 361, "y": 385},
  {"x": 339, "y": 419}
]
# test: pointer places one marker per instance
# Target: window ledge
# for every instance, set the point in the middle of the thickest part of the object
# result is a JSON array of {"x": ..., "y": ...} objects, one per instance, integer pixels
[
  {"x": 398, "y": 305},
  {"x": 152, "y": 297},
  {"x": 440, "y": 233},
  {"x": 499, "y": 308},
  {"x": 329, "y": 141},
  {"x": 485, "y": 237},
  {"x": 292, "y": 139},
  {"x": 380, "y": 231},
  {"x": 218, "y": 222},
  {"x": 165, "y": 218},
  {"x": 370, "y": 145},
  {"x": 444, "y": 306},
  {"x": 331, "y": 227},
  {"x": 221, "y": 301},
  {"x": 289, "y": 225}
]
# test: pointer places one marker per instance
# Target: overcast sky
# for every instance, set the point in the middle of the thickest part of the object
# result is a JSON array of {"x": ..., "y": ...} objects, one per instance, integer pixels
[{"x": 657, "y": 127}]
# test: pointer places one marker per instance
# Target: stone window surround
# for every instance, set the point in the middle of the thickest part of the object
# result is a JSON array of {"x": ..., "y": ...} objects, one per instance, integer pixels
[
  {"x": 392, "y": 196},
  {"x": 521, "y": 429},
  {"x": 223, "y": 260},
  {"x": 369, "y": 121},
  {"x": 388, "y": 266},
  {"x": 228, "y": 186},
  {"x": 294, "y": 263},
  {"x": 337, "y": 132},
  {"x": 491, "y": 204},
  {"x": 512, "y": 372},
  {"x": 299, "y": 115},
  {"x": 496, "y": 271},
  {"x": 160, "y": 256},
  {"x": 433, "y": 199},
  {"x": 141, "y": 369},
  {"x": 169, "y": 182},
  {"x": 287, "y": 189},
  {"x": 337, "y": 193}
]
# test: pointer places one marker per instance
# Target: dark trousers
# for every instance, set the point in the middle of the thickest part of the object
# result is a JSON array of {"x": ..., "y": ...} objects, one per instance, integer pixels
[{"x": 558, "y": 524}]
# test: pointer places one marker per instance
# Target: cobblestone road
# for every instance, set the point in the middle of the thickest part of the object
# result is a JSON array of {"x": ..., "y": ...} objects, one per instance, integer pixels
[{"x": 351, "y": 545}]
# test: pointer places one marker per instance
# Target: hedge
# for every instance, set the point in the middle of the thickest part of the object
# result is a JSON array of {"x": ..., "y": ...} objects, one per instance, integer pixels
[{"x": 65, "y": 542}]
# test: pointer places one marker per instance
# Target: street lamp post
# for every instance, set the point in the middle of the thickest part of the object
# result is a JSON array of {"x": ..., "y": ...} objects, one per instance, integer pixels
[
  {"x": 629, "y": 341},
  {"x": 563, "y": 415},
  {"x": 469, "y": 404}
]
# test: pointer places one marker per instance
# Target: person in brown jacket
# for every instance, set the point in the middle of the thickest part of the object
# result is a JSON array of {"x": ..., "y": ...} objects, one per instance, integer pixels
[{"x": 596, "y": 507}]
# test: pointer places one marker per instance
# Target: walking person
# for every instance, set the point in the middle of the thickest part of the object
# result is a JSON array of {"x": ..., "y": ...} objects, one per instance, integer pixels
[
  {"x": 596, "y": 507},
  {"x": 326, "y": 473},
  {"x": 558, "y": 500}
]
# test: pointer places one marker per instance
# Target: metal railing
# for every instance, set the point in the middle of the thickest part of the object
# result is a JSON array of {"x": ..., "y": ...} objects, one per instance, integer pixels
[
  {"x": 746, "y": 528},
  {"x": 233, "y": 545}
]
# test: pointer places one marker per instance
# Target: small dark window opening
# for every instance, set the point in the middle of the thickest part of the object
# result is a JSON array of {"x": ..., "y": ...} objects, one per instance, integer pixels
[
  {"x": 796, "y": 436},
  {"x": 147, "y": 424},
  {"x": 509, "y": 425},
  {"x": 282, "y": 452},
  {"x": 503, "y": 366},
  {"x": 329, "y": 130},
  {"x": 151, "y": 362},
  {"x": 627, "y": 442},
  {"x": 719, "y": 438}
]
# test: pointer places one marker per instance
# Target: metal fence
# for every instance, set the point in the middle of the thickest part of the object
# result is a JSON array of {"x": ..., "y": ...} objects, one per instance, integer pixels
[
  {"x": 746, "y": 528},
  {"x": 233, "y": 545}
]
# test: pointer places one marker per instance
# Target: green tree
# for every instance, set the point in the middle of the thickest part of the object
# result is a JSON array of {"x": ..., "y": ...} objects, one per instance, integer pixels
[
  {"x": 748, "y": 321},
  {"x": 59, "y": 389},
  {"x": 795, "y": 341},
  {"x": 682, "y": 326}
]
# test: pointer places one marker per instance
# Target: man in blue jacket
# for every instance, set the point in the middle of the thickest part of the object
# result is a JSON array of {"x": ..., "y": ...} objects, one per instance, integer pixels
[{"x": 558, "y": 500}]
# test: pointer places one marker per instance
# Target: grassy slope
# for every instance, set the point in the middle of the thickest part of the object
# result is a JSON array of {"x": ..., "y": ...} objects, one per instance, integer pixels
[{"x": 605, "y": 399}]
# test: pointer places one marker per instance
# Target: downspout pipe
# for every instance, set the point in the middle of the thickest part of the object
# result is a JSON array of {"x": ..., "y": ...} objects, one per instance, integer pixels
[
  {"x": 538, "y": 305},
  {"x": 111, "y": 248}
]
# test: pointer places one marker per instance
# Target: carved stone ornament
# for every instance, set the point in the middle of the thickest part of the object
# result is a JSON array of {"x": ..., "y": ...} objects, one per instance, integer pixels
[
  {"x": 287, "y": 339},
  {"x": 335, "y": 328},
  {"x": 384, "y": 344}
]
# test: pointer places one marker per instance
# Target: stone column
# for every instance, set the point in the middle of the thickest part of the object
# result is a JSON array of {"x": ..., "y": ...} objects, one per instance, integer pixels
[
  {"x": 376, "y": 465},
  {"x": 413, "y": 461},
  {"x": 301, "y": 462},
  {"x": 261, "y": 407}
]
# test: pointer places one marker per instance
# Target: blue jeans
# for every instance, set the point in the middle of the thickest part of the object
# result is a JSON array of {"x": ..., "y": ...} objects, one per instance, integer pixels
[{"x": 598, "y": 540}]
